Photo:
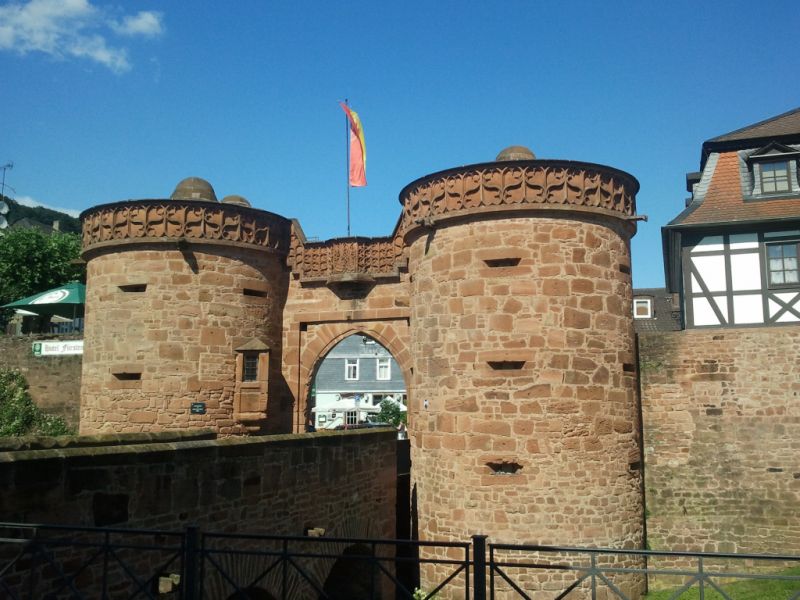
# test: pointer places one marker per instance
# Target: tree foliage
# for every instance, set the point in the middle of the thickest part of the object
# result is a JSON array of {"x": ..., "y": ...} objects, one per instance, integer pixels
[
  {"x": 391, "y": 413},
  {"x": 32, "y": 261},
  {"x": 18, "y": 413}
]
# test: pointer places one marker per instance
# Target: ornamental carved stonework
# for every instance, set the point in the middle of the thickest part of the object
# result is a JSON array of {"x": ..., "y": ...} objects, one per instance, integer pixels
[
  {"x": 369, "y": 256},
  {"x": 157, "y": 220},
  {"x": 523, "y": 184}
]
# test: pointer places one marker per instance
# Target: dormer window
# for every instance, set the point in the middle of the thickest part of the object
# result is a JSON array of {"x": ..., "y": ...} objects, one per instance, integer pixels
[
  {"x": 774, "y": 171},
  {"x": 775, "y": 177},
  {"x": 642, "y": 308}
]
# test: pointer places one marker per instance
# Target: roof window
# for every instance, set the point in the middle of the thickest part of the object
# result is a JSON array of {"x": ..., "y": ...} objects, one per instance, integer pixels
[
  {"x": 774, "y": 170},
  {"x": 774, "y": 177},
  {"x": 642, "y": 308}
]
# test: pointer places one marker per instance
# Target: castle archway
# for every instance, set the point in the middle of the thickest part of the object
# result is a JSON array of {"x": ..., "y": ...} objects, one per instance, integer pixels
[
  {"x": 316, "y": 340},
  {"x": 351, "y": 382}
]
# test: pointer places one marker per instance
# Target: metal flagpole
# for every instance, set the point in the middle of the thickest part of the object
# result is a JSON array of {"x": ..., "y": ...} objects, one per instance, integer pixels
[{"x": 347, "y": 165}]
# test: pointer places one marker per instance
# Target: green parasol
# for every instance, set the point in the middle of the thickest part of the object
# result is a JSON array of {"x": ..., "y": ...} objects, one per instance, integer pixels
[{"x": 64, "y": 301}]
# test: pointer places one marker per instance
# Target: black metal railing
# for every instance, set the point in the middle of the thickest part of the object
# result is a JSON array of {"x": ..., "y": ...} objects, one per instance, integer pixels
[
  {"x": 235, "y": 565},
  {"x": 55, "y": 562},
  {"x": 51, "y": 561},
  {"x": 626, "y": 574}
]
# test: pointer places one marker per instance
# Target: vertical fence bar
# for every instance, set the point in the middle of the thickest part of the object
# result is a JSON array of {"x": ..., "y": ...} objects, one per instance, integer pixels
[
  {"x": 374, "y": 570},
  {"x": 594, "y": 575},
  {"x": 491, "y": 572},
  {"x": 107, "y": 542},
  {"x": 32, "y": 579},
  {"x": 702, "y": 580},
  {"x": 479, "y": 567},
  {"x": 284, "y": 569},
  {"x": 191, "y": 562},
  {"x": 467, "y": 575}
]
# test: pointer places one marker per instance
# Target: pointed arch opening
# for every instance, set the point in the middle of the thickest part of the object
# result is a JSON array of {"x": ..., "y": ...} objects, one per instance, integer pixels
[{"x": 356, "y": 382}]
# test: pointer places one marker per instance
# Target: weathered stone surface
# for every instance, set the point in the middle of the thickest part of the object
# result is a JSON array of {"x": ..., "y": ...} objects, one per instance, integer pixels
[
  {"x": 179, "y": 336},
  {"x": 533, "y": 373},
  {"x": 274, "y": 485},
  {"x": 54, "y": 381},
  {"x": 721, "y": 430}
]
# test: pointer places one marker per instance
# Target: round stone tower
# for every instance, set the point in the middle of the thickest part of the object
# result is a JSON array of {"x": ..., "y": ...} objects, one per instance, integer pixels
[
  {"x": 183, "y": 322},
  {"x": 524, "y": 415}
]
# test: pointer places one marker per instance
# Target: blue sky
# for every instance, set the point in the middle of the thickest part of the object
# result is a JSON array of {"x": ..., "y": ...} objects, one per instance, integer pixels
[{"x": 106, "y": 101}]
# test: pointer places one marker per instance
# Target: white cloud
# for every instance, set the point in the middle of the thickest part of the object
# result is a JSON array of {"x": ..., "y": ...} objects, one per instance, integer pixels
[
  {"x": 72, "y": 28},
  {"x": 147, "y": 23},
  {"x": 95, "y": 48},
  {"x": 30, "y": 202}
]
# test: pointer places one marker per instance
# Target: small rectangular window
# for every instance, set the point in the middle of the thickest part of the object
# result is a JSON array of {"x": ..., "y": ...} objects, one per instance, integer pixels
[
  {"x": 642, "y": 308},
  {"x": 384, "y": 369},
  {"x": 351, "y": 417},
  {"x": 782, "y": 264},
  {"x": 256, "y": 293},
  {"x": 496, "y": 263},
  {"x": 351, "y": 369},
  {"x": 125, "y": 376},
  {"x": 250, "y": 367},
  {"x": 774, "y": 177},
  {"x": 506, "y": 365}
]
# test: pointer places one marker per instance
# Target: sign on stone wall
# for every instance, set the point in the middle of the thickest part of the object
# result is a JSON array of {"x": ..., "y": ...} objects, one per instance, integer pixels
[{"x": 56, "y": 348}]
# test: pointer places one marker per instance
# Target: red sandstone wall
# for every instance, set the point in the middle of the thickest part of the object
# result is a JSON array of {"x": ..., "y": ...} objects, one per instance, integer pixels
[
  {"x": 180, "y": 334},
  {"x": 567, "y": 418},
  {"x": 722, "y": 439},
  {"x": 55, "y": 381},
  {"x": 343, "y": 482}
]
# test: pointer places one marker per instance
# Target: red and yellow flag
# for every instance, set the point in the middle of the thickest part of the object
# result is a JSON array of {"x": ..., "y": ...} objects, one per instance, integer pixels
[{"x": 358, "y": 149}]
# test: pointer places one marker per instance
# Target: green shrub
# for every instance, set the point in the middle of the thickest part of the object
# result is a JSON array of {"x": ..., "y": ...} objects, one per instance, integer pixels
[
  {"x": 52, "y": 425},
  {"x": 391, "y": 413},
  {"x": 18, "y": 413}
]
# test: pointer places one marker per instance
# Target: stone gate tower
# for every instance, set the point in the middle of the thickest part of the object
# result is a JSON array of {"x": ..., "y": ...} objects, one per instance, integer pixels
[
  {"x": 183, "y": 320},
  {"x": 504, "y": 293},
  {"x": 524, "y": 419}
]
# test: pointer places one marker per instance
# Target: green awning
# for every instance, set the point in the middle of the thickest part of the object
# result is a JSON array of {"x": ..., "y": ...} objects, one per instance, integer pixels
[{"x": 64, "y": 301}]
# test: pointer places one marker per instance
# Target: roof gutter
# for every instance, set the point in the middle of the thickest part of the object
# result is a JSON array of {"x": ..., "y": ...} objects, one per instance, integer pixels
[{"x": 729, "y": 224}]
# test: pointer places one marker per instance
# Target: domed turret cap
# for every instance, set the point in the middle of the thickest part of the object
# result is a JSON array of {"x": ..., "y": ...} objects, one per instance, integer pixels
[
  {"x": 235, "y": 199},
  {"x": 194, "y": 188},
  {"x": 515, "y": 153}
]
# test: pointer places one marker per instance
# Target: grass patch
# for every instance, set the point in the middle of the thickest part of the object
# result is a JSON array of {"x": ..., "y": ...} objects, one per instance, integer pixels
[{"x": 746, "y": 589}]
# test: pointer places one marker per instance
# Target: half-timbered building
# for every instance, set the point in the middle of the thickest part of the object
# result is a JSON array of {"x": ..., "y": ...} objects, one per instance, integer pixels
[{"x": 732, "y": 253}]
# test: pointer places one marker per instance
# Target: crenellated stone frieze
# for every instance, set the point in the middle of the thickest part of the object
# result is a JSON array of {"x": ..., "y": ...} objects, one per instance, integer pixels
[
  {"x": 518, "y": 185},
  {"x": 148, "y": 221},
  {"x": 323, "y": 261}
]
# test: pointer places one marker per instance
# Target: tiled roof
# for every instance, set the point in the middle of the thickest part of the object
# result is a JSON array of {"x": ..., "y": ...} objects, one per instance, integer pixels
[
  {"x": 786, "y": 124},
  {"x": 666, "y": 316},
  {"x": 724, "y": 201}
]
